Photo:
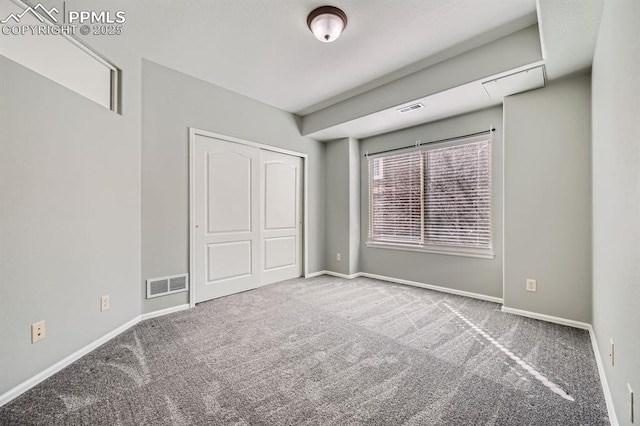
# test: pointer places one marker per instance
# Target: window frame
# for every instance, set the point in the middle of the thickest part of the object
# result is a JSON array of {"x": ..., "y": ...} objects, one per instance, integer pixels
[{"x": 481, "y": 253}]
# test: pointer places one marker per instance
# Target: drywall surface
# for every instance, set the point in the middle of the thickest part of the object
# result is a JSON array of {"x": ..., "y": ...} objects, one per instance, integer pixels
[
  {"x": 337, "y": 205},
  {"x": 481, "y": 276},
  {"x": 548, "y": 199},
  {"x": 69, "y": 216},
  {"x": 342, "y": 206},
  {"x": 171, "y": 103},
  {"x": 616, "y": 199},
  {"x": 354, "y": 206}
]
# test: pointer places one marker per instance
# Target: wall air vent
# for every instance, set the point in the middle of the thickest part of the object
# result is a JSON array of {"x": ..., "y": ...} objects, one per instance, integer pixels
[
  {"x": 411, "y": 107},
  {"x": 167, "y": 285}
]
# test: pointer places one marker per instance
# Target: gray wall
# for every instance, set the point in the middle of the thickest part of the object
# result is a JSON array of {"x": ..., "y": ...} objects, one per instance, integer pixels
[
  {"x": 616, "y": 198},
  {"x": 548, "y": 199},
  {"x": 342, "y": 206},
  {"x": 171, "y": 103},
  {"x": 354, "y": 206},
  {"x": 336, "y": 206},
  {"x": 69, "y": 216},
  {"x": 481, "y": 276}
]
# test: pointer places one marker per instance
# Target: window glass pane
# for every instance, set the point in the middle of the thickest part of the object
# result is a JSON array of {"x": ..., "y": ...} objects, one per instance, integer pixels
[
  {"x": 395, "y": 184},
  {"x": 458, "y": 195}
]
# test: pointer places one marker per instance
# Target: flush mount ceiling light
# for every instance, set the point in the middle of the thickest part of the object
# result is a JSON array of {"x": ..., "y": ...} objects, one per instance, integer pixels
[{"x": 327, "y": 23}]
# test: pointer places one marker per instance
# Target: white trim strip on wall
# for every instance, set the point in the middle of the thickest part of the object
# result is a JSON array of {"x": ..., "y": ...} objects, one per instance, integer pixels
[
  {"x": 162, "y": 312},
  {"x": 603, "y": 378},
  {"x": 547, "y": 318},
  {"x": 315, "y": 274},
  {"x": 45, "y": 374},
  {"x": 408, "y": 282},
  {"x": 434, "y": 287},
  {"x": 18, "y": 390}
]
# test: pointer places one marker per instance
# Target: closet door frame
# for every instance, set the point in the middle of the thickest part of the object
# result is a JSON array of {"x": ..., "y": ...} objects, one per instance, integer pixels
[{"x": 193, "y": 133}]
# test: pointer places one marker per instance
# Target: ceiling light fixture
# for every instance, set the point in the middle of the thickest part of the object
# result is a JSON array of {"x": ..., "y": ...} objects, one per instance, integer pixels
[{"x": 327, "y": 23}]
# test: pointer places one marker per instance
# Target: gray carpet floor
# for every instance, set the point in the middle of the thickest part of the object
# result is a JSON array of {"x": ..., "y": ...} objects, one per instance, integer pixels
[{"x": 327, "y": 351}]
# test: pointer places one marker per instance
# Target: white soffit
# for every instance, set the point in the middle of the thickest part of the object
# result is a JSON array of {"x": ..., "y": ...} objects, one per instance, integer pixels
[
  {"x": 515, "y": 83},
  {"x": 458, "y": 100}
]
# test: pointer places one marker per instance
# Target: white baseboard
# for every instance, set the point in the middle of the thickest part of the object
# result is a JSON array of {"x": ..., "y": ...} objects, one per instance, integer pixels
[
  {"x": 162, "y": 312},
  {"x": 547, "y": 318},
  {"x": 334, "y": 274},
  {"x": 315, "y": 274},
  {"x": 45, "y": 374},
  {"x": 345, "y": 276},
  {"x": 603, "y": 378},
  {"x": 407, "y": 282},
  {"x": 594, "y": 343},
  {"x": 434, "y": 287}
]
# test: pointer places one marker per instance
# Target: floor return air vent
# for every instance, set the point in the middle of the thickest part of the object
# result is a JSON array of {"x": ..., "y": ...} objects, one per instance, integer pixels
[{"x": 167, "y": 285}]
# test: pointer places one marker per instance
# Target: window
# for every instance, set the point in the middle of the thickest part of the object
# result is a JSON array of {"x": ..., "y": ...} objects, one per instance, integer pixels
[
  {"x": 59, "y": 57},
  {"x": 434, "y": 199}
]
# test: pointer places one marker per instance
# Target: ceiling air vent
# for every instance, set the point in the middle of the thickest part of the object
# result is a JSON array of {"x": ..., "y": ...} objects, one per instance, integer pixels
[
  {"x": 167, "y": 285},
  {"x": 412, "y": 107}
]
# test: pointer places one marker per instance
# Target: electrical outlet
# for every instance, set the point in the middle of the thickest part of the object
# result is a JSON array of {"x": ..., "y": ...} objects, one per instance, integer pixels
[
  {"x": 630, "y": 402},
  {"x": 338, "y": 257},
  {"x": 37, "y": 331},
  {"x": 612, "y": 352},
  {"x": 104, "y": 303},
  {"x": 531, "y": 285}
]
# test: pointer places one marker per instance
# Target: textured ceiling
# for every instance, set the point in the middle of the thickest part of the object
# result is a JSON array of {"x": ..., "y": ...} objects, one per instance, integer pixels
[
  {"x": 568, "y": 29},
  {"x": 263, "y": 49}
]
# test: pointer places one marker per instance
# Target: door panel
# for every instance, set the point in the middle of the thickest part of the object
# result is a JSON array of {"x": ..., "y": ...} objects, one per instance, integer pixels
[
  {"x": 281, "y": 207},
  {"x": 279, "y": 252},
  {"x": 228, "y": 183},
  {"x": 228, "y": 260},
  {"x": 227, "y": 255},
  {"x": 280, "y": 195}
]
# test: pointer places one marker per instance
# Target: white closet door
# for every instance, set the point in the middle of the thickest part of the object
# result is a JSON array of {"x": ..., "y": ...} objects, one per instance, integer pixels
[
  {"x": 227, "y": 218},
  {"x": 280, "y": 216},
  {"x": 247, "y": 215}
]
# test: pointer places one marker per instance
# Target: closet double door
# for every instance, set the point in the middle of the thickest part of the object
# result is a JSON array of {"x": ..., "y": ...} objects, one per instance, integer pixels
[{"x": 247, "y": 218}]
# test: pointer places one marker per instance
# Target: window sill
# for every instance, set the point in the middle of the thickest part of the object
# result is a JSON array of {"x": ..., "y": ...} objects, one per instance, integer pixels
[{"x": 449, "y": 251}]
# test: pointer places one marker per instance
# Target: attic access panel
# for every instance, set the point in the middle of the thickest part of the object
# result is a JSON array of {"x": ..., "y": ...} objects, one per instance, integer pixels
[{"x": 533, "y": 78}]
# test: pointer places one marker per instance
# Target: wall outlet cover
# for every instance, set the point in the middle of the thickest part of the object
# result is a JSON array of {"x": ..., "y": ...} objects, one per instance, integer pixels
[
  {"x": 532, "y": 285},
  {"x": 38, "y": 331},
  {"x": 612, "y": 352},
  {"x": 104, "y": 303}
]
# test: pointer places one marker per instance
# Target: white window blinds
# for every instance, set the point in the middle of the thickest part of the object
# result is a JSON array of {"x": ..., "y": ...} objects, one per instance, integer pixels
[
  {"x": 458, "y": 196},
  {"x": 437, "y": 196},
  {"x": 396, "y": 185}
]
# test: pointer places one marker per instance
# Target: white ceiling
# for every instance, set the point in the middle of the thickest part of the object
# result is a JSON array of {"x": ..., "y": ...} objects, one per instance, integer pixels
[
  {"x": 568, "y": 30},
  {"x": 263, "y": 49}
]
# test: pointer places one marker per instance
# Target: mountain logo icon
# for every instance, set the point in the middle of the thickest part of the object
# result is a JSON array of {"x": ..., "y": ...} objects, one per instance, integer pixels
[{"x": 39, "y": 11}]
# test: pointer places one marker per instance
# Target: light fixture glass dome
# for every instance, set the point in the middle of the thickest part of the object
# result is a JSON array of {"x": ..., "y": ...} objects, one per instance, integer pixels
[{"x": 327, "y": 23}]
